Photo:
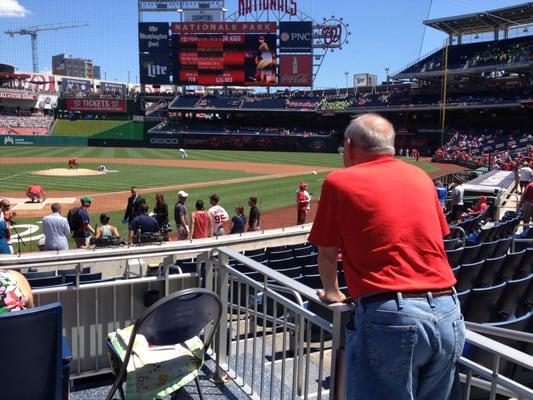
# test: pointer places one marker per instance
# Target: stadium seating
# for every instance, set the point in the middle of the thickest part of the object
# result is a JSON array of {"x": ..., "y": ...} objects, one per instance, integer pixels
[{"x": 482, "y": 303}]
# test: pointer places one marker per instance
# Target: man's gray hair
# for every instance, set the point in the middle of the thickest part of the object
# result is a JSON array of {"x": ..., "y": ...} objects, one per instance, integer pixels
[
  {"x": 56, "y": 207},
  {"x": 372, "y": 134}
]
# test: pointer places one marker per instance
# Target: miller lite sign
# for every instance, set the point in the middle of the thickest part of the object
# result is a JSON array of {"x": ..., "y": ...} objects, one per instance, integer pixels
[
  {"x": 295, "y": 70},
  {"x": 155, "y": 68},
  {"x": 295, "y": 37}
]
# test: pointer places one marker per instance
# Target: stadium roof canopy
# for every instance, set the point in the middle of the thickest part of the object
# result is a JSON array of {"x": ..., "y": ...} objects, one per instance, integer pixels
[{"x": 501, "y": 18}]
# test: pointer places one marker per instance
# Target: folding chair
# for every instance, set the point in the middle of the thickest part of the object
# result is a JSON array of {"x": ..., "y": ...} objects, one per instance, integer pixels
[
  {"x": 36, "y": 359},
  {"x": 176, "y": 322}
]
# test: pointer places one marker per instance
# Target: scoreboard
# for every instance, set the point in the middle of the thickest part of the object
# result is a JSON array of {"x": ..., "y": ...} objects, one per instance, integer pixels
[
  {"x": 226, "y": 53},
  {"x": 222, "y": 59}
]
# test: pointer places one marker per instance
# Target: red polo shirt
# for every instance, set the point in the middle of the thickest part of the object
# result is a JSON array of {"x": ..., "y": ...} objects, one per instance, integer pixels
[
  {"x": 528, "y": 193},
  {"x": 385, "y": 217}
]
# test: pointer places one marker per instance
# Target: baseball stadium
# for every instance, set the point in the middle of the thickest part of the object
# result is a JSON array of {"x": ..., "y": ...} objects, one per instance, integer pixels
[{"x": 229, "y": 199}]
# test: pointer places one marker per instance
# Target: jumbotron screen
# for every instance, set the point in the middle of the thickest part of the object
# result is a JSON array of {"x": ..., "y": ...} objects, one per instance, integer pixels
[{"x": 222, "y": 59}]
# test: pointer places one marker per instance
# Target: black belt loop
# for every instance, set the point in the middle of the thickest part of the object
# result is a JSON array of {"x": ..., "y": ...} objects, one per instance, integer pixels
[{"x": 454, "y": 295}]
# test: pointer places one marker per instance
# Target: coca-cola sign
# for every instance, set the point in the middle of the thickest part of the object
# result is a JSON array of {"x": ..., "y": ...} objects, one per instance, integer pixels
[{"x": 295, "y": 70}]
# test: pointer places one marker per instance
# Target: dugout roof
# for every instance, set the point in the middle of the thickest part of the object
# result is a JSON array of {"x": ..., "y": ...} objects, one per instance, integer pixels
[{"x": 501, "y": 18}]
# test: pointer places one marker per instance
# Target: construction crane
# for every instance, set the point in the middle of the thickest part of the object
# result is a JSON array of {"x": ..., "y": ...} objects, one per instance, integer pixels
[{"x": 32, "y": 32}]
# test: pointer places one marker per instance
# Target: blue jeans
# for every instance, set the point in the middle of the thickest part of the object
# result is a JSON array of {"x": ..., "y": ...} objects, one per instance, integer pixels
[{"x": 404, "y": 348}]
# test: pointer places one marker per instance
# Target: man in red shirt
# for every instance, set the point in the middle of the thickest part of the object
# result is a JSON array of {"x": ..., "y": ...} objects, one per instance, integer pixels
[
  {"x": 407, "y": 331},
  {"x": 35, "y": 193},
  {"x": 527, "y": 202}
]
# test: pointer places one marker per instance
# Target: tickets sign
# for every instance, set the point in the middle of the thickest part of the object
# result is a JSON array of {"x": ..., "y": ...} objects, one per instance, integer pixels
[{"x": 97, "y": 105}]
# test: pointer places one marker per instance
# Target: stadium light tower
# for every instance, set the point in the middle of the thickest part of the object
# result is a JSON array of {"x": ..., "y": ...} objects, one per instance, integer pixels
[{"x": 32, "y": 32}]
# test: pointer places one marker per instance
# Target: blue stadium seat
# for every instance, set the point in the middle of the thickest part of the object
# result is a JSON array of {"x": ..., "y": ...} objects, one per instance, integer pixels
[
  {"x": 503, "y": 247},
  {"x": 487, "y": 250},
  {"x": 309, "y": 259},
  {"x": 470, "y": 254},
  {"x": 259, "y": 257},
  {"x": 284, "y": 263},
  {"x": 249, "y": 253},
  {"x": 451, "y": 244},
  {"x": 303, "y": 251},
  {"x": 313, "y": 281},
  {"x": 512, "y": 261},
  {"x": 454, "y": 256},
  {"x": 279, "y": 255},
  {"x": 489, "y": 272},
  {"x": 44, "y": 282},
  {"x": 526, "y": 264},
  {"x": 275, "y": 249},
  {"x": 291, "y": 272},
  {"x": 72, "y": 271},
  {"x": 482, "y": 303},
  {"x": 310, "y": 269},
  {"x": 512, "y": 296},
  {"x": 466, "y": 278},
  {"x": 35, "y": 275},
  {"x": 91, "y": 277}
]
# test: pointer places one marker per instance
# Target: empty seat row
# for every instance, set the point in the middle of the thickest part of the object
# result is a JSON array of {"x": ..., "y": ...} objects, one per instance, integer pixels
[
  {"x": 501, "y": 302},
  {"x": 487, "y": 272},
  {"x": 68, "y": 279},
  {"x": 478, "y": 252}
]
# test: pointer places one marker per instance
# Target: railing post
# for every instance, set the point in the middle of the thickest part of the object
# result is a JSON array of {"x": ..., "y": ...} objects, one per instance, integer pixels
[
  {"x": 338, "y": 380},
  {"x": 221, "y": 339}
]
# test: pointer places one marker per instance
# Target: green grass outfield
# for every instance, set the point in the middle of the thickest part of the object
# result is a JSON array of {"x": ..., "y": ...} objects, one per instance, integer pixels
[
  {"x": 273, "y": 194},
  {"x": 102, "y": 129}
]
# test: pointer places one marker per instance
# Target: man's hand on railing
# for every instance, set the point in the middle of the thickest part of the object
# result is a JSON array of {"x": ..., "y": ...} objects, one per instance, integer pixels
[{"x": 330, "y": 297}]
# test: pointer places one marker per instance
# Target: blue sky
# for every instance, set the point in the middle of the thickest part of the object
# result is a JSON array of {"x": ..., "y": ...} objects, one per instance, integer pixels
[{"x": 384, "y": 33}]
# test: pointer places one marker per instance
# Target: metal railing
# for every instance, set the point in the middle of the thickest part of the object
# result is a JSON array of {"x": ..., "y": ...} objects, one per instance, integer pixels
[{"x": 282, "y": 342}]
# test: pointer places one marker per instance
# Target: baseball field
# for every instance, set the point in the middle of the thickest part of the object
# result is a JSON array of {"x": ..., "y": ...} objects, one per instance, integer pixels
[{"x": 273, "y": 177}]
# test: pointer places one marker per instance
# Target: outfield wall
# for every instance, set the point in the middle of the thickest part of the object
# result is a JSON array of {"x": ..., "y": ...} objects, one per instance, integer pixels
[
  {"x": 322, "y": 144},
  {"x": 25, "y": 140}
]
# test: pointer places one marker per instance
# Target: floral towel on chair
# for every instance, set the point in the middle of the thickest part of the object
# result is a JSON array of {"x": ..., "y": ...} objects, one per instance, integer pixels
[{"x": 156, "y": 371}]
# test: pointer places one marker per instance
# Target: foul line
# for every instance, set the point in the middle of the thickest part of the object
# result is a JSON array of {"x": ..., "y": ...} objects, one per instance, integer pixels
[{"x": 13, "y": 176}]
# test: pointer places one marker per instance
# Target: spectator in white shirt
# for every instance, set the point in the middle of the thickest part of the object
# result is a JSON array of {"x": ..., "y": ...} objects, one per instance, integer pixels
[
  {"x": 525, "y": 173},
  {"x": 218, "y": 215},
  {"x": 56, "y": 230}
]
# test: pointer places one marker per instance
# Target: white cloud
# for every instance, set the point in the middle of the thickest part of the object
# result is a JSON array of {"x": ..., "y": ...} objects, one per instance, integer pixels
[{"x": 12, "y": 8}]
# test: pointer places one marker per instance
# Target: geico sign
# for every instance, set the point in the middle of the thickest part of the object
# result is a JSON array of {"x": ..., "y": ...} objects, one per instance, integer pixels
[{"x": 164, "y": 141}]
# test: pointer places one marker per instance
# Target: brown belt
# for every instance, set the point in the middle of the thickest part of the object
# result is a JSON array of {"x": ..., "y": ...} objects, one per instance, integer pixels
[{"x": 406, "y": 295}]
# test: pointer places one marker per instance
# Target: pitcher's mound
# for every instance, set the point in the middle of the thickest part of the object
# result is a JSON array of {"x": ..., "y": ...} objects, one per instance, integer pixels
[{"x": 68, "y": 172}]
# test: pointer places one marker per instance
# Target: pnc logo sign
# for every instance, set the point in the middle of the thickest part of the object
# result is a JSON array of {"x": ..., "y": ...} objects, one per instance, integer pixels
[{"x": 295, "y": 36}]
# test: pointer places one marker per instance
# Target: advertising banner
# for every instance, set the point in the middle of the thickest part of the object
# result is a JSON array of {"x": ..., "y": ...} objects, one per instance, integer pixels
[
  {"x": 97, "y": 105},
  {"x": 32, "y": 82},
  {"x": 295, "y": 70},
  {"x": 295, "y": 37},
  {"x": 46, "y": 101},
  {"x": 76, "y": 85},
  {"x": 153, "y": 37},
  {"x": 224, "y": 27},
  {"x": 155, "y": 68},
  {"x": 16, "y": 95},
  {"x": 27, "y": 140},
  {"x": 110, "y": 87},
  {"x": 202, "y": 15}
]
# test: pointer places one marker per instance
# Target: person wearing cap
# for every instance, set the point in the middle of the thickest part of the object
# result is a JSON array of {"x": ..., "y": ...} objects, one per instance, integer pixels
[
  {"x": 83, "y": 234},
  {"x": 303, "y": 203},
  {"x": 180, "y": 216},
  {"x": 218, "y": 215}
]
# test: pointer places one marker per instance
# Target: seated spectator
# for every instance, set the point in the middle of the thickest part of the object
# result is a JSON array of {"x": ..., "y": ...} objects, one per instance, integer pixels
[
  {"x": 480, "y": 207},
  {"x": 15, "y": 292},
  {"x": 238, "y": 222},
  {"x": 142, "y": 225},
  {"x": 106, "y": 230}
]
